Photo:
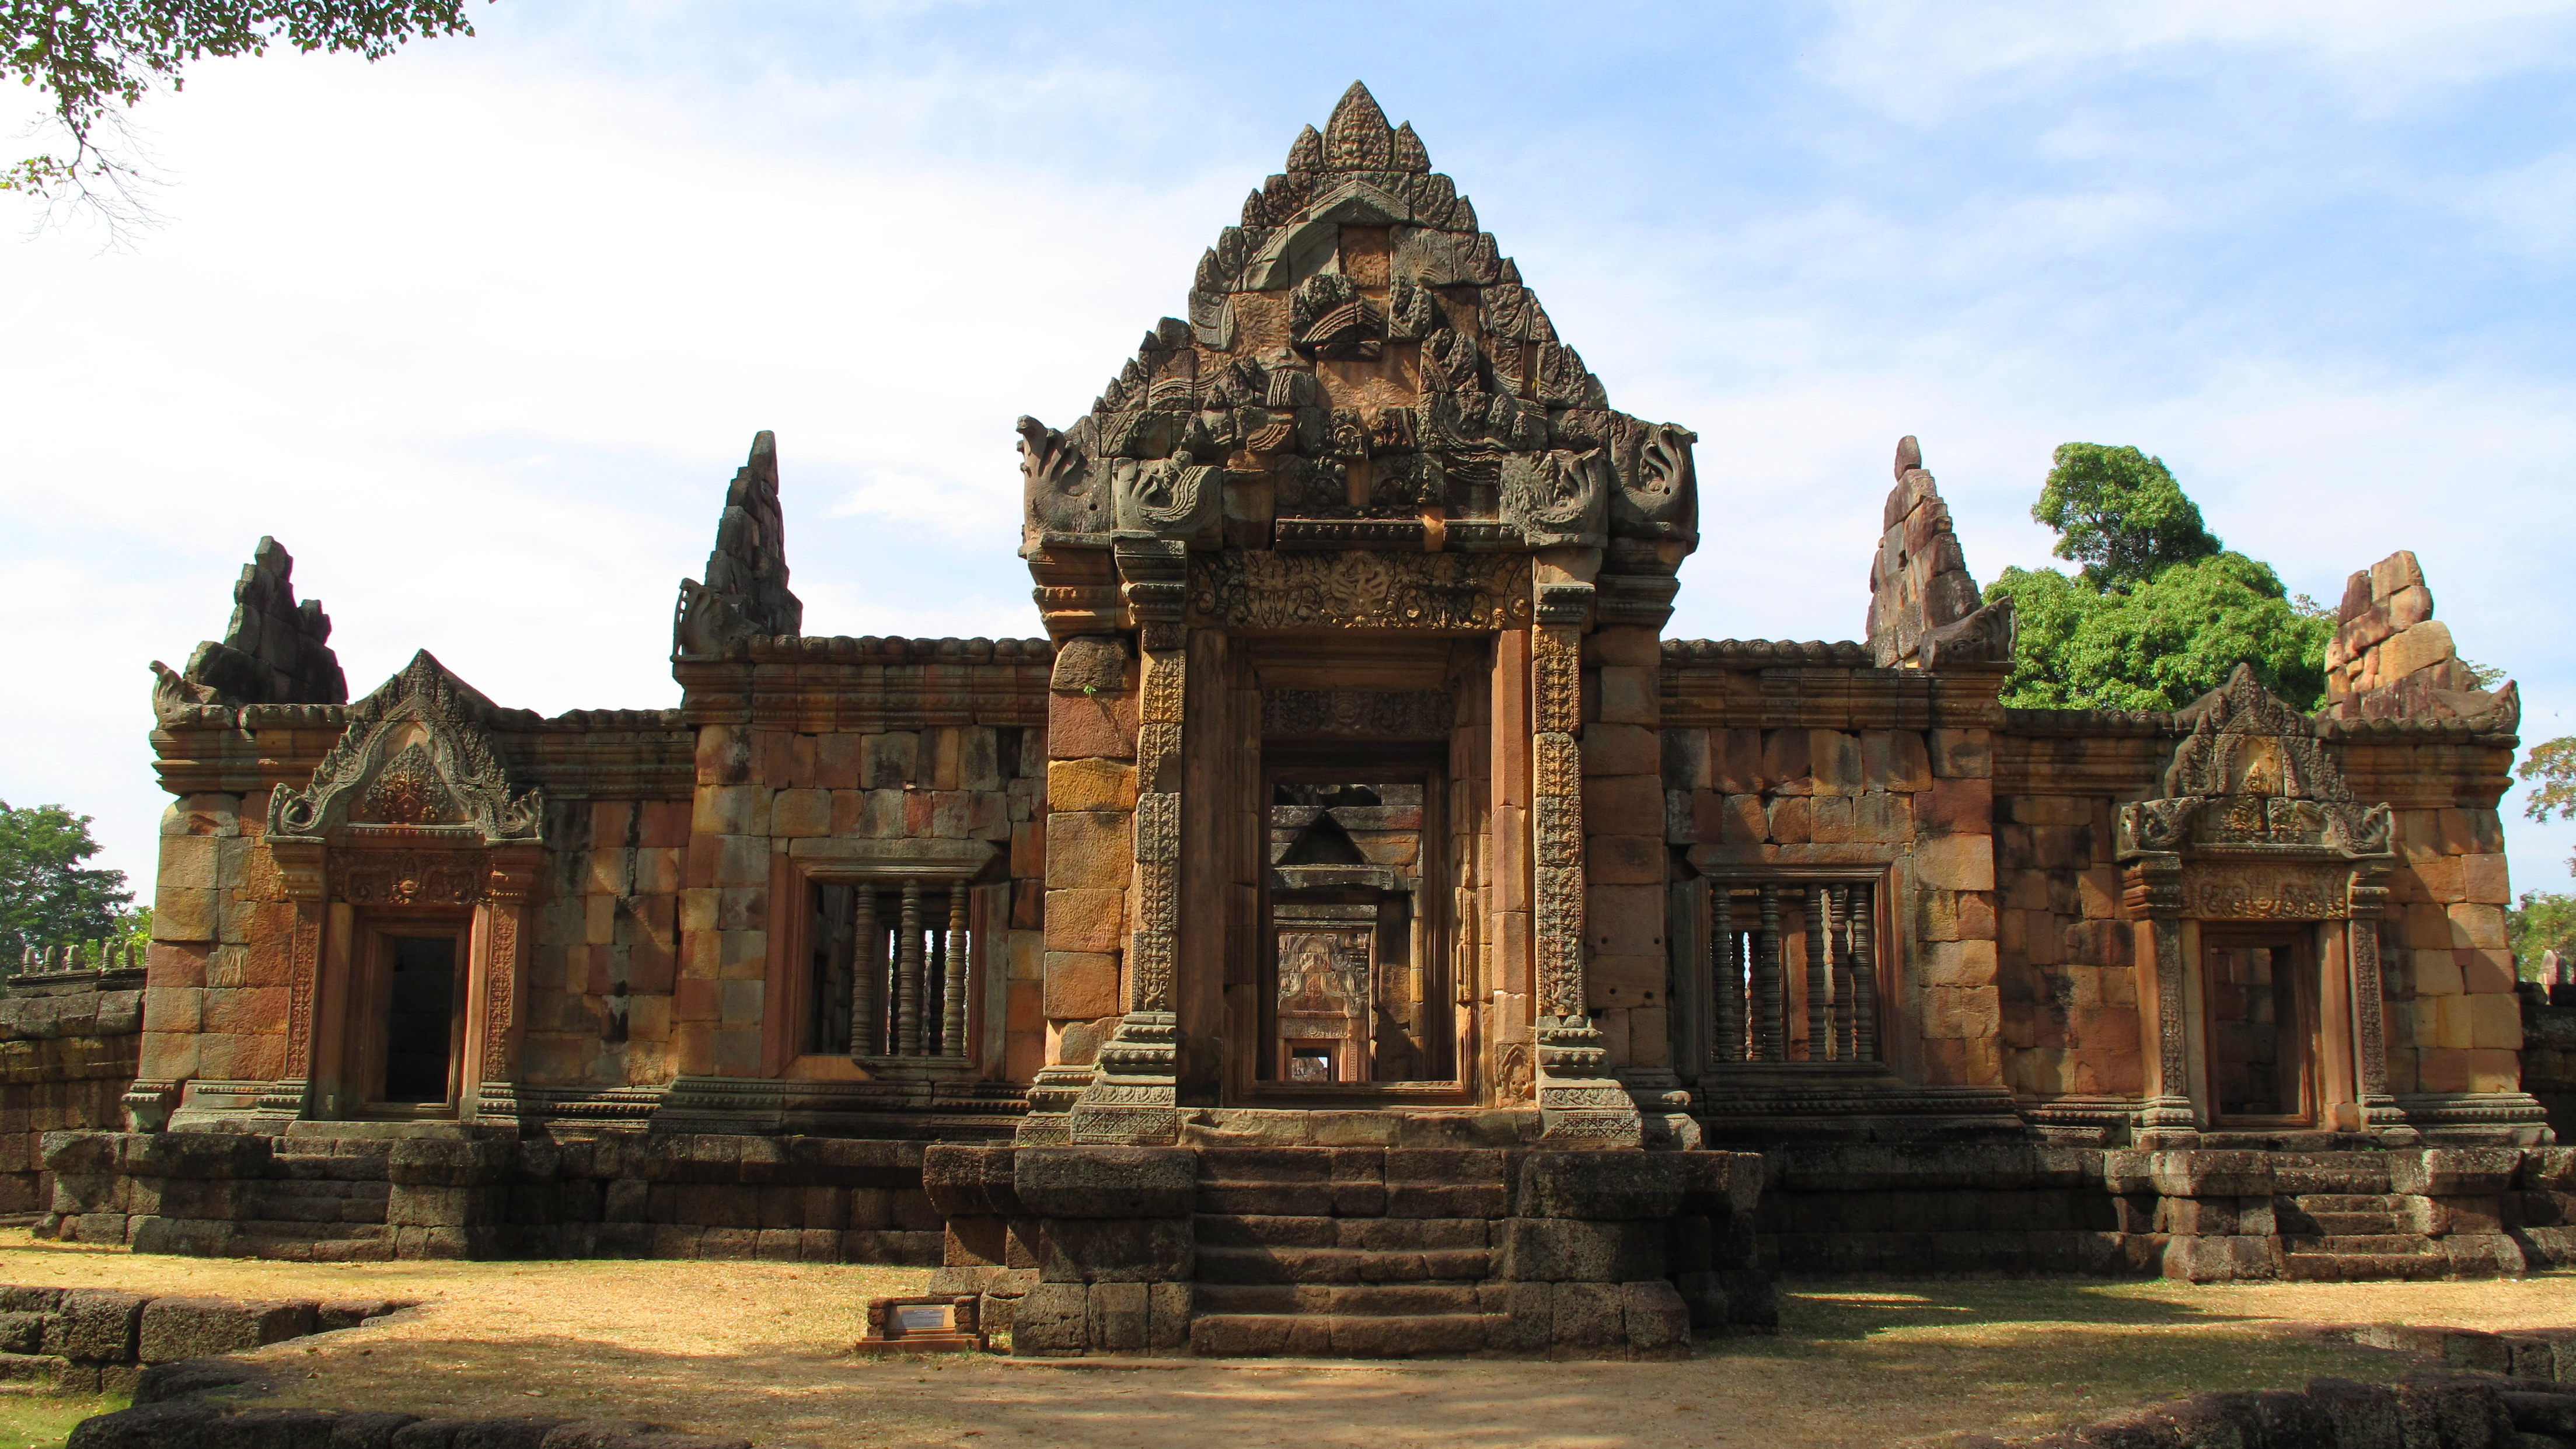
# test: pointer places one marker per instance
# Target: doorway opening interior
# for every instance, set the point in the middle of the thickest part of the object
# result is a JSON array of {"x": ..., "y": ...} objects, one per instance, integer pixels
[
  {"x": 1356, "y": 992},
  {"x": 422, "y": 1018},
  {"x": 2259, "y": 1002}
]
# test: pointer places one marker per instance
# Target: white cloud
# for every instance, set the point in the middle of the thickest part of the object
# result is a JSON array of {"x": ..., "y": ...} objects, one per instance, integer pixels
[{"x": 1925, "y": 56}]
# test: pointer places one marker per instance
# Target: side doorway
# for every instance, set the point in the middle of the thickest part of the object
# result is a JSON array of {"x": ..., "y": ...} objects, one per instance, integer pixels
[{"x": 2259, "y": 1003}]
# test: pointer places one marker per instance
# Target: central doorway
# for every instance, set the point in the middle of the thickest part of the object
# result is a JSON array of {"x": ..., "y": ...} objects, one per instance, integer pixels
[{"x": 2259, "y": 1002}]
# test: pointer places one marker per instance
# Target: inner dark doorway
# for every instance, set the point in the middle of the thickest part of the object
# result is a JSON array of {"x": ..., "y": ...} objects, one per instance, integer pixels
[
  {"x": 420, "y": 1019},
  {"x": 2259, "y": 1000},
  {"x": 1354, "y": 994}
]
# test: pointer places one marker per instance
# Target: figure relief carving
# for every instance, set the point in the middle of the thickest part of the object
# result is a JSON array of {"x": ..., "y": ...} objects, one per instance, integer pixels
[
  {"x": 1170, "y": 498},
  {"x": 407, "y": 877},
  {"x": 1361, "y": 590},
  {"x": 1556, "y": 497},
  {"x": 1359, "y": 713},
  {"x": 415, "y": 748},
  {"x": 2266, "y": 891}
]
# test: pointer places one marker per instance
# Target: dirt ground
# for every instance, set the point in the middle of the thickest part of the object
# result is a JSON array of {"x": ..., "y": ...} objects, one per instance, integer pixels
[{"x": 762, "y": 1349}]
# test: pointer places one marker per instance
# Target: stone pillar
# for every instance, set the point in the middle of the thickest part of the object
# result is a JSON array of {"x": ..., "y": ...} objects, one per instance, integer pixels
[
  {"x": 1580, "y": 1104},
  {"x": 2154, "y": 892},
  {"x": 1132, "y": 1098},
  {"x": 493, "y": 1034}
]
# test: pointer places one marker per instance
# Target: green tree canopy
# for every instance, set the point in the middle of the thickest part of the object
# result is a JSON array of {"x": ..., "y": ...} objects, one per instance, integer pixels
[
  {"x": 2161, "y": 613},
  {"x": 2542, "y": 921},
  {"x": 91, "y": 56},
  {"x": 46, "y": 897},
  {"x": 2120, "y": 513}
]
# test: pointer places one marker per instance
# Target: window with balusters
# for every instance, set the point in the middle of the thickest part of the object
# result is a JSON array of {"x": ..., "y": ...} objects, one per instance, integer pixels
[
  {"x": 1794, "y": 967},
  {"x": 893, "y": 962}
]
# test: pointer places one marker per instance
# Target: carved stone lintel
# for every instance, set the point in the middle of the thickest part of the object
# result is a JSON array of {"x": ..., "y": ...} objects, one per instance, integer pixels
[
  {"x": 1358, "y": 590},
  {"x": 1359, "y": 713}
]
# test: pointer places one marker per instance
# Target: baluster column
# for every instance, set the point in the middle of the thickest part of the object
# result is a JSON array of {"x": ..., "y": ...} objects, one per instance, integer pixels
[
  {"x": 867, "y": 969},
  {"x": 1838, "y": 935},
  {"x": 952, "y": 991},
  {"x": 907, "y": 979},
  {"x": 1820, "y": 978},
  {"x": 1769, "y": 986},
  {"x": 1726, "y": 959},
  {"x": 1864, "y": 950}
]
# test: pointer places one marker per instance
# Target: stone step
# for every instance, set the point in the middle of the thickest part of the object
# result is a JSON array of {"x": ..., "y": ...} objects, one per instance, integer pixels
[
  {"x": 1231, "y": 1198},
  {"x": 2363, "y": 1244},
  {"x": 1341, "y": 1265},
  {"x": 2345, "y": 1225},
  {"x": 2359, "y": 1267},
  {"x": 2350, "y": 1202},
  {"x": 1377, "y": 1300},
  {"x": 1317, "y": 1335},
  {"x": 1385, "y": 1235}
]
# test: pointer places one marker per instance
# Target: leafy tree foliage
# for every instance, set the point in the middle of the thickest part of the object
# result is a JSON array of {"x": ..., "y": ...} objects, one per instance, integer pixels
[
  {"x": 92, "y": 56},
  {"x": 2120, "y": 513},
  {"x": 46, "y": 897},
  {"x": 2161, "y": 613},
  {"x": 2541, "y": 921}
]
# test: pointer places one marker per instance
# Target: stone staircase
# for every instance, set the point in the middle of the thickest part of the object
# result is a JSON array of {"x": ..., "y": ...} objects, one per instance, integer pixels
[
  {"x": 2338, "y": 1237},
  {"x": 1351, "y": 1252}
]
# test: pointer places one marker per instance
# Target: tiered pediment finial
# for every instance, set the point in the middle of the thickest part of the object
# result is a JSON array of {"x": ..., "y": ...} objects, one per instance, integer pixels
[{"x": 1360, "y": 367}]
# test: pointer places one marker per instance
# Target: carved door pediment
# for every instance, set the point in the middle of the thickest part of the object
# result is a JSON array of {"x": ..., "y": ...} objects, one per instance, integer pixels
[
  {"x": 414, "y": 760},
  {"x": 2252, "y": 783}
]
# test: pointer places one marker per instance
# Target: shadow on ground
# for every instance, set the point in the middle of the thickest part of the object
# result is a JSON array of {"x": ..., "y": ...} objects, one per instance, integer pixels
[{"x": 1855, "y": 1364}]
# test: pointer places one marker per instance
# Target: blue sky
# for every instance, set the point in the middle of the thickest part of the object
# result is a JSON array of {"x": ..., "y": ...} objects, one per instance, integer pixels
[{"x": 481, "y": 331}]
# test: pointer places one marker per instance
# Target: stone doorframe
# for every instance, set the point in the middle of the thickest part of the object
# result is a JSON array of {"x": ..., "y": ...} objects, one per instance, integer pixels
[
  {"x": 2256, "y": 824},
  {"x": 2169, "y": 896}
]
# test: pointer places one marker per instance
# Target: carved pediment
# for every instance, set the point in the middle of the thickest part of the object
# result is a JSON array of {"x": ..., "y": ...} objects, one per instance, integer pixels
[
  {"x": 2252, "y": 775},
  {"x": 415, "y": 755}
]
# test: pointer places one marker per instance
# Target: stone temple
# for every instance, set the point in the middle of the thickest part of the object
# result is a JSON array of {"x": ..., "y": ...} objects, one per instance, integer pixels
[{"x": 1354, "y": 927}]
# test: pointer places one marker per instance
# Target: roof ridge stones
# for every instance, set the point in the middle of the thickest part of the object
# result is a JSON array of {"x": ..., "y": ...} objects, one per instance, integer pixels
[
  {"x": 274, "y": 650},
  {"x": 745, "y": 594}
]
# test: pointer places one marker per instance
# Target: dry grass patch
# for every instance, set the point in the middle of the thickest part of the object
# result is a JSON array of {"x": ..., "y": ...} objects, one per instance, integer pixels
[{"x": 761, "y": 1349}]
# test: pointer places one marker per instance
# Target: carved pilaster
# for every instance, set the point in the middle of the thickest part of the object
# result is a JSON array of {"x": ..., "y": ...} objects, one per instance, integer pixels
[
  {"x": 2154, "y": 891},
  {"x": 512, "y": 883},
  {"x": 1133, "y": 1094},
  {"x": 304, "y": 881},
  {"x": 1579, "y": 1103},
  {"x": 2379, "y": 1109}
]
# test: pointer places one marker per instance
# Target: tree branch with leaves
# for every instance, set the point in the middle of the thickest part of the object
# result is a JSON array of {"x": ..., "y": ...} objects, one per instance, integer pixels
[{"x": 96, "y": 59}]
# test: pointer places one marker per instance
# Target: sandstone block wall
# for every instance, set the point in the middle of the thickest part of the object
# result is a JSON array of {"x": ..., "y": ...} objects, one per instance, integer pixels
[
  {"x": 66, "y": 1058},
  {"x": 362, "y": 1195},
  {"x": 1858, "y": 775},
  {"x": 762, "y": 790},
  {"x": 2454, "y": 1022},
  {"x": 2069, "y": 976}
]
